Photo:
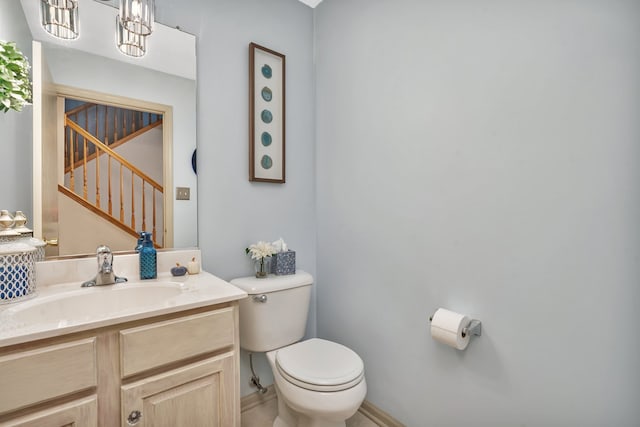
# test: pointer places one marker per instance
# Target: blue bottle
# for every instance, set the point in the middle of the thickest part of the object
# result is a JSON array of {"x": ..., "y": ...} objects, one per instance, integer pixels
[
  {"x": 140, "y": 240},
  {"x": 148, "y": 259}
]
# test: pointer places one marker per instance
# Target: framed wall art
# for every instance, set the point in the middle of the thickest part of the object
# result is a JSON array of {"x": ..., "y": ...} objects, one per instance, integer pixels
[{"x": 266, "y": 115}]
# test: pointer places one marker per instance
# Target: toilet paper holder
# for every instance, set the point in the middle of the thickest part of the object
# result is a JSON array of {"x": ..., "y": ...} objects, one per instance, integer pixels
[{"x": 473, "y": 328}]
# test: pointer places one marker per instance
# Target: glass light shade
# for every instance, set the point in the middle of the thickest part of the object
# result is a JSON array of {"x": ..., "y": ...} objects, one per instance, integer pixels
[
  {"x": 60, "y": 18},
  {"x": 137, "y": 16},
  {"x": 129, "y": 43},
  {"x": 62, "y": 4}
]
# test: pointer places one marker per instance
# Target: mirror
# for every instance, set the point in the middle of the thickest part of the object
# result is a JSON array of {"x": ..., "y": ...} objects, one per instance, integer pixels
[{"x": 165, "y": 77}]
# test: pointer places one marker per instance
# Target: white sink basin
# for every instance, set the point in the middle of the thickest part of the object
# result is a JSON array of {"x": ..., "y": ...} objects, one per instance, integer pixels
[{"x": 91, "y": 303}]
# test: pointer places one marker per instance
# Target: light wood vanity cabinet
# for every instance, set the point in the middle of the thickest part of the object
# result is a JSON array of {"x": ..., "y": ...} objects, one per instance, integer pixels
[{"x": 176, "y": 370}]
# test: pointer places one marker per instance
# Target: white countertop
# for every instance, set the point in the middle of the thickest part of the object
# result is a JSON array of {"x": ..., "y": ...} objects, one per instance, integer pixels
[{"x": 193, "y": 291}]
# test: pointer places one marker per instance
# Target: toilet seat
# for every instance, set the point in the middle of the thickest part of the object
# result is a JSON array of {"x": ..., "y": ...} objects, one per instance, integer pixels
[{"x": 320, "y": 365}]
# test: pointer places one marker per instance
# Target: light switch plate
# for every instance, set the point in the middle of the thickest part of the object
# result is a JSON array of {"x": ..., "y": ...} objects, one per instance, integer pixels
[{"x": 183, "y": 193}]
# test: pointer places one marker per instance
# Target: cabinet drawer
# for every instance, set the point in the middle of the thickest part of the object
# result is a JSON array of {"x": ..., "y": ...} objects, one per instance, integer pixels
[
  {"x": 82, "y": 412},
  {"x": 158, "y": 344},
  {"x": 45, "y": 373}
]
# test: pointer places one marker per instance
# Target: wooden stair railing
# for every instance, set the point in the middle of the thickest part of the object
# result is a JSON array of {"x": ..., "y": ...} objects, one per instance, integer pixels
[
  {"x": 99, "y": 149},
  {"x": 112, "y": 125}
]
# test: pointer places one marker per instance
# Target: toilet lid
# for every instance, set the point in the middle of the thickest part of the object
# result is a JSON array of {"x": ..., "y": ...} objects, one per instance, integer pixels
[{"x": 320, "y": 365}]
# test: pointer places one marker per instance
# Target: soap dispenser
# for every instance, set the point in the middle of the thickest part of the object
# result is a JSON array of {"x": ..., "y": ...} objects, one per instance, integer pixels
[
  {"x": 148, "y": 258},
  {"x": 140, "y": 240}
]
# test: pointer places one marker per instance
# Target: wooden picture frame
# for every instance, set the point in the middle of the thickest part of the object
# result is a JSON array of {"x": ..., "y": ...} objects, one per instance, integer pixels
[{"x": 266, "y": 115}]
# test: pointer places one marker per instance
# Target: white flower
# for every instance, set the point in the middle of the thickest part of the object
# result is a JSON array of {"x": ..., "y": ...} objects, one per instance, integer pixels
[{"x": 261, "y": 250}]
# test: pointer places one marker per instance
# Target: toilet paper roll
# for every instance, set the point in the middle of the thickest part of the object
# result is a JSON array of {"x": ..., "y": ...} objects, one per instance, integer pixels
[{"x": 446, "y": 327}]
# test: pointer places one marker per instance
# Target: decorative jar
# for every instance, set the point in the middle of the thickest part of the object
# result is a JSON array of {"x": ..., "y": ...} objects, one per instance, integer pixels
[{"x": 262, "y": 267}]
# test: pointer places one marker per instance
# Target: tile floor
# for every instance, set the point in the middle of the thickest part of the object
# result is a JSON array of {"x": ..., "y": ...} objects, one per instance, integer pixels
[{"x": 264, "y": 414}]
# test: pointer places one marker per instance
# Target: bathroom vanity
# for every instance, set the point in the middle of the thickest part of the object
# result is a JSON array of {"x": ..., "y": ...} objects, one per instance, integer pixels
[{"x": 168, "y": 362}]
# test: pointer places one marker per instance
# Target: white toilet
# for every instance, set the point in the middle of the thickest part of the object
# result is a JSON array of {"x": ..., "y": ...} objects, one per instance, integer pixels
[{"x": 319, "y": 383}]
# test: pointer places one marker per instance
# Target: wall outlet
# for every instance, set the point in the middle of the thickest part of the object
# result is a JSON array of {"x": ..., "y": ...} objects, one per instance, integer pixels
[{"x": 183, "y": 193}]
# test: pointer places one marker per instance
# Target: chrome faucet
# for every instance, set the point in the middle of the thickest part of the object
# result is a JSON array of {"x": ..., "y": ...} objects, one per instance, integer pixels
[{"x": 105, "y": 275}]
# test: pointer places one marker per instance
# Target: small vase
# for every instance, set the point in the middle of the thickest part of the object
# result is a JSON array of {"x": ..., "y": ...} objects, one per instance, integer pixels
[{"x": 262, "y": 266}]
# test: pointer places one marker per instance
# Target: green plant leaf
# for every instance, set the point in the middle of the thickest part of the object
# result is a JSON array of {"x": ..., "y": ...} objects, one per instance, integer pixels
[{"x": 15, "y": 84}]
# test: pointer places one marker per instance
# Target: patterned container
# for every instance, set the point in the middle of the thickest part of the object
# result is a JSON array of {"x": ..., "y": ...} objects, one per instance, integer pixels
[
  {"x": 284, "y": 263},
  {"x": 17, "y": 272},
  {"x": 9, "y": 238},
  {"x": 36, "y": 243}
]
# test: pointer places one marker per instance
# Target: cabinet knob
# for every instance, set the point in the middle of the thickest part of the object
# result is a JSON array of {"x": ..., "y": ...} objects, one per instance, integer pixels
[{"x": 134, "y": 417}]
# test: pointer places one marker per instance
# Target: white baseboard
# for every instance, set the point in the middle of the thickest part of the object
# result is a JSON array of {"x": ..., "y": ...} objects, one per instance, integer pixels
[
  {"x": 378, "y": 416},
  {"x": 255, "y": 399}
]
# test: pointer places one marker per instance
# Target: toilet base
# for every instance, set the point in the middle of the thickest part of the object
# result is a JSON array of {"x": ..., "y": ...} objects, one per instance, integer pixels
[
  {"x": 288, "y": 417},
  {"x": 308, "y": 423},
  {"x": 299, "y": 407}
]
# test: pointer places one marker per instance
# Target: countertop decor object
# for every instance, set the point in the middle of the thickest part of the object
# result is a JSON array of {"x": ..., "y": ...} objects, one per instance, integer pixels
[
  {"x": 284, "y": 263},
  {"x": 148, "y": 259},
  {"x": 7, "y": 233},
  {"x": 261, "y": 253},
  {"x": 194, "y": 266},
  {"x": 17, "y": 272},
  {"x": 178, "y": 270},
  {"x": 20, "y": 221}
]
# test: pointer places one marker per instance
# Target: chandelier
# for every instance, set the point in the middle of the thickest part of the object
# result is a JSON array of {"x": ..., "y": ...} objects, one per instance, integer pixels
[
  {"x": 134, "y": 23},
  {"x": 60, "y": 18}
]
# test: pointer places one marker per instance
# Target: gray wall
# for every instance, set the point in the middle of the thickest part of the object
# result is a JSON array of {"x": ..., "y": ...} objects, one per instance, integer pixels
[
  {"x": 16, "y": 127},
  {"x": 232, "y": 212},
  {"x": 484, "y": 157}
]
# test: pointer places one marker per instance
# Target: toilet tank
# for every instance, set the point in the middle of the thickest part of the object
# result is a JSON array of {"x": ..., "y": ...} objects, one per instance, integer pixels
[{"x": 275, "y": 312}]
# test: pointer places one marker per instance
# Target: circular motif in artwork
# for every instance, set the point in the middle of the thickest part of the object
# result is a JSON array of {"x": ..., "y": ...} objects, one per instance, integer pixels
[
  {"x": 266, "y": 94},
  {"x": 266, "y": 116},
  {"x": 266, "y": 71},
  {"x": 266, "y": 139},
  {"x": 266, "y": 162}
]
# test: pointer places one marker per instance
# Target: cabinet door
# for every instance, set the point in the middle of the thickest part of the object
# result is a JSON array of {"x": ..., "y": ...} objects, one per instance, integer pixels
[
  {"x": 83, "y": 412},
  {"x": 200, "y": 394}
]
